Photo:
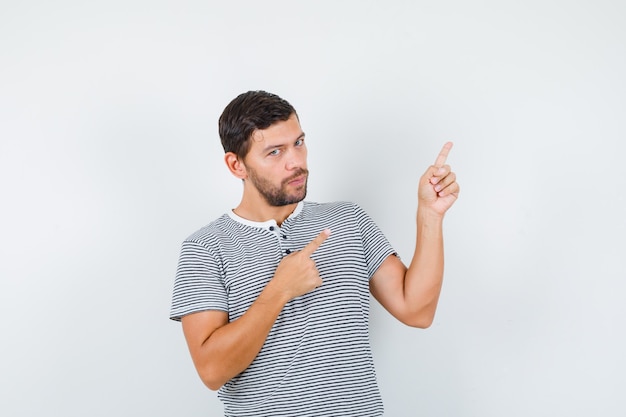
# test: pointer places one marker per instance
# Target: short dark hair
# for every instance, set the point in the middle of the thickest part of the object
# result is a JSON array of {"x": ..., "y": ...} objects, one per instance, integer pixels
[{"x": 247, "y": 113}]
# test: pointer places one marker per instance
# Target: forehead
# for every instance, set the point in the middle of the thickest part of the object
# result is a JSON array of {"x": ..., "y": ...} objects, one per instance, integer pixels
[{"x": 279, "y": 133}]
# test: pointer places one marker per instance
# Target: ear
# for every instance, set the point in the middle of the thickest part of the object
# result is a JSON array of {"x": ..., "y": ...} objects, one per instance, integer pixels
[{"x": 235, "y": 165}]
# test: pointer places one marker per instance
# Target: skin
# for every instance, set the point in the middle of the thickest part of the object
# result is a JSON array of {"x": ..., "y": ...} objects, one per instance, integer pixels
[{"x": 276, "y": 168}]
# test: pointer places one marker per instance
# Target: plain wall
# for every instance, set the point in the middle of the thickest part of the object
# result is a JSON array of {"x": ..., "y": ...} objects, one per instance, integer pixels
[{"x": 110, "y": 157}]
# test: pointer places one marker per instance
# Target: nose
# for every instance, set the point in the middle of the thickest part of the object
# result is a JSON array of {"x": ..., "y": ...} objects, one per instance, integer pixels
[{"x": 296, "y": 158}]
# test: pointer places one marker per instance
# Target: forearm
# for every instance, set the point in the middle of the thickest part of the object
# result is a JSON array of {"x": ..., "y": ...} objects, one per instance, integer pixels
[
  {"x": 424, "y": 277},
  {"x": 411, "y": 294},
  {"x": 230, "y": 349}
]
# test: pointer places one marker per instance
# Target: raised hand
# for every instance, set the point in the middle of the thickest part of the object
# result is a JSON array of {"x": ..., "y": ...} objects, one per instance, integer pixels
[
  {"x": 296, "y": 273},
  {"x": 438, "y": 188}
]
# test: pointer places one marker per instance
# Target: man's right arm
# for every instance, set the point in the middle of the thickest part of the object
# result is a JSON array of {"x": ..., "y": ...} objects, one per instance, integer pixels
[{"x": 220, "y": 349}]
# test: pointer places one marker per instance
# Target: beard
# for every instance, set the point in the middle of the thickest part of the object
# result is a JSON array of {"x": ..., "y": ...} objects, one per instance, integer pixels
[{"x": 279, "y": 195}]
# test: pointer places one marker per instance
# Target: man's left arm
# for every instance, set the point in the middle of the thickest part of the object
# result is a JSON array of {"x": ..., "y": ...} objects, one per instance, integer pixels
[{"x": 411, "y": 294}]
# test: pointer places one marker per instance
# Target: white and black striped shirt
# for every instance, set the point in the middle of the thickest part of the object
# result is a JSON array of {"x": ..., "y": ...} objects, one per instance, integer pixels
[{"x": 316, "y": 360}]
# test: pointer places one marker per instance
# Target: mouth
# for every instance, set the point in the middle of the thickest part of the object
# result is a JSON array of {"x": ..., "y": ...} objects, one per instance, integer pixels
[{"x": 298, "y": 180}]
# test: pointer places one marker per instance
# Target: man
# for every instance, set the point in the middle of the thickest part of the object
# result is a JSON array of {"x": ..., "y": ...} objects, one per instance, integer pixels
[{"x": 274, "y": 295}]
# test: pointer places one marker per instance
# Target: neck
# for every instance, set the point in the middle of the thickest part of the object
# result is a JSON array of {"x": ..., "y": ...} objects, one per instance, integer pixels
[{"x": 260, "y": 211}]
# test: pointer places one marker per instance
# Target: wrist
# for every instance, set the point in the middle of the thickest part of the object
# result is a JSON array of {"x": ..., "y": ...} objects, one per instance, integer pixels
[
  {"x": 429, "y": 216},
  {"x": 273, "y": 293}
]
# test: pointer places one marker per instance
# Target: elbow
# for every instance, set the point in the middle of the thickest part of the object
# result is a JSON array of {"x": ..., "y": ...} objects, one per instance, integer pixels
[
  {"x": 421, "y": 319},
  {"x": 212, "y": 380},
  {"x": 419, "y": 322},
  {"x": 212, "y": 385}
]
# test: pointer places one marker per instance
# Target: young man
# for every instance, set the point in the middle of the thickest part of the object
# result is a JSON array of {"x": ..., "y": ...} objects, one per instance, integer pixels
[{"x": 274, "y": 295}]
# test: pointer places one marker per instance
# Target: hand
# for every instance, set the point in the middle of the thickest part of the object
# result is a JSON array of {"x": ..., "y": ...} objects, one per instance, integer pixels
[
  {"x": 438, "y": 188},
  {"x": 296, "y": 273}
]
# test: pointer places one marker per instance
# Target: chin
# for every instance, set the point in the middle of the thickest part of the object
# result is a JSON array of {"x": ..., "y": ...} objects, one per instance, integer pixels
[{"x": 288, "y": 200}]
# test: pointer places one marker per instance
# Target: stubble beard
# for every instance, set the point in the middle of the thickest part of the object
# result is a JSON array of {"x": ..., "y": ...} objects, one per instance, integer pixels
[{"x": 279, "y": 196}]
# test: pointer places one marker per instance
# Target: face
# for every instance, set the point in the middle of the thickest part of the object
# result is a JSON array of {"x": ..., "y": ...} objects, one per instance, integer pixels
[{"x": 276, "y": 163}]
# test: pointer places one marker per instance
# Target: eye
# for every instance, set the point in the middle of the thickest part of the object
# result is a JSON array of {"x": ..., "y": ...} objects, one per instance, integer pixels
[
  {"x": 299, "y": 142},
  {"x": 274, "y": 152}
]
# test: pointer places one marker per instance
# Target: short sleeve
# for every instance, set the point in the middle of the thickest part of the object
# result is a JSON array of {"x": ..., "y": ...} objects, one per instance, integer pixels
[
  {"x": 375, "y": 245},
  {"x": 198, "y": 285}
]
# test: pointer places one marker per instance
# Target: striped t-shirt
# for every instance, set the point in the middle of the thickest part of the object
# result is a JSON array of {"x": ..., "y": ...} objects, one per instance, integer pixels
[{"x": 316, "y": 360}]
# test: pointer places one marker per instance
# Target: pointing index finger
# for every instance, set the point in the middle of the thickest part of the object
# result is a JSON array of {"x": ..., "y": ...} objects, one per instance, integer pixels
[
  {"x": 315, "y": 243},
  {"x": 443, "y": 155}
]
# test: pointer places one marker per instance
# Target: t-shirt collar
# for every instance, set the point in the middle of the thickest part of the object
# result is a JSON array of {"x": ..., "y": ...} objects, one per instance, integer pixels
[{"x": 266, "y": 223}]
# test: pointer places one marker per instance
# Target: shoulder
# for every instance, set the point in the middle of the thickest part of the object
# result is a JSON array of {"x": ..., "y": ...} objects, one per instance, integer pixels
[{"x": 212, "y": 232}]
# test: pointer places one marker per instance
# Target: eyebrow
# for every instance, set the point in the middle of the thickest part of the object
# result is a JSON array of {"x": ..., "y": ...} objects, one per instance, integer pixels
[{"x": 267, "y": 148}]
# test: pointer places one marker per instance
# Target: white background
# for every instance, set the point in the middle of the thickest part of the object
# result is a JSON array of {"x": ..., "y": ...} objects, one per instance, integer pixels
[{"x": 110, "y": 157}]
